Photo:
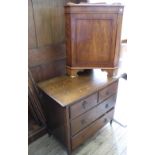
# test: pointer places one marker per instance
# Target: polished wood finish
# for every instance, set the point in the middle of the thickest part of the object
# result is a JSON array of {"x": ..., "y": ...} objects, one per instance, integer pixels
[
  {"x": 92, "y": 129},
  {"x": 82, "y": 121},
  {"x": 109, "y": 140},
  {"x": 57, "y": 118},
  {"x": 66, "y": 90},
  {"x": 83, "y": 105},
  {"x": 64, "y": 100},
  {"x": 93, "y": 36},
  {"x": 87, "y": 118},
  {"x": 106, "y": 105},
  {"x": 108, "y": 91}
]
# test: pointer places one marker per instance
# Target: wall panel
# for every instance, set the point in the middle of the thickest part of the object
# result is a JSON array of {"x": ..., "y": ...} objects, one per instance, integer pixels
[
  {"x": 32, "y": 41},
  {"x": 46, "y": 38},
  {"x": 49, "y": 20}
]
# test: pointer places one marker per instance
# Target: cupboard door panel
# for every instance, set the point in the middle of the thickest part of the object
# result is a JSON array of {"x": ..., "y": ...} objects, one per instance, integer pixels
[{"x": 94, "y": 39}]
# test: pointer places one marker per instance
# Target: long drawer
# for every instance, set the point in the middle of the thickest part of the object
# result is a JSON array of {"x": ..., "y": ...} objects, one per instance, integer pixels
[
  {"x": 108, "y": 91},
  {"x": 83, "y": 105},
  {"x": 87, "y": 118},
  {"x": 91, "y": 129}
]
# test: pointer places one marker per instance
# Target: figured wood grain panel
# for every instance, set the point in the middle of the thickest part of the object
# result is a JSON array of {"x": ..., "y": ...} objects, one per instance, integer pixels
[
  {"x": 49, "y": 19},
  {"x": 93, "y": 39},
  {"x": 92, "y": 43},
  {"x": 32, "y": 42}
]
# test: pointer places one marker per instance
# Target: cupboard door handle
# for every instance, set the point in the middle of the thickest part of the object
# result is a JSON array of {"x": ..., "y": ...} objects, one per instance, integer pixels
[
  {"x": 107, "y": 105},
  {"x": 84, "y": 104}
]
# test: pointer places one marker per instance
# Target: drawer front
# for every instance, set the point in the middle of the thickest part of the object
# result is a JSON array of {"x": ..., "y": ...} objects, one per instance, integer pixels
[
  {"x": 82, "y": 121},
  {"x": 108, "y": 91},
  {"x": 87, "y": 118},
  {"x": 82, "y": 106},
  {"x": 106, "y": 105},
  {"x": 92, "y": 129}
]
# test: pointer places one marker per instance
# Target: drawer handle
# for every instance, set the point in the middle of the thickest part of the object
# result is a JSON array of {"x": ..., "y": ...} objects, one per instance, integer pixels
[
  {"x": 83, "y": 122},
  {"x": 107, "y": 105},
  {"x": 105, "y": 120},
  {"x": 84, "y": 104},
  {"x": 107, "y": 93}
]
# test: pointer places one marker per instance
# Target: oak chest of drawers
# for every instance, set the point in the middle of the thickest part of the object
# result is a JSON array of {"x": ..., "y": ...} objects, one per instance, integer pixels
[
  {"x": 93, "y": 36},
  {"x": 78, "y": 107}
]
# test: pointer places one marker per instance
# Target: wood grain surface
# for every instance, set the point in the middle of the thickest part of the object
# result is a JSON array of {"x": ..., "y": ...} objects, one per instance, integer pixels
[
  {"x": 65, "y": 90},
  {"x": 110, "y": 140},
  {"x": 46, "y": 31}
]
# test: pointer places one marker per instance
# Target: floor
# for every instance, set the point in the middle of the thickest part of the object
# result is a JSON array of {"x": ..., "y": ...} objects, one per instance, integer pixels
[
  {"x": 110, "y": 140},
  {"x": 32, "y": 126}
]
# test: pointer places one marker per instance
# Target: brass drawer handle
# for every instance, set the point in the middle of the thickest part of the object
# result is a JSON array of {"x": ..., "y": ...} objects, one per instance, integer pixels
[
  {"x": 83, "y": 121},
  {"x": 107, "y": 105},
  {"x": 105, "y": 120},
  {"x": 84, "y": 104},
  {"x": 107, "y": 93}
]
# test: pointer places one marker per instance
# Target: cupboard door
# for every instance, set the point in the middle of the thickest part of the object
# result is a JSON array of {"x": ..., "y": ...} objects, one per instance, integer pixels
[{"x": 93, "y": 38}]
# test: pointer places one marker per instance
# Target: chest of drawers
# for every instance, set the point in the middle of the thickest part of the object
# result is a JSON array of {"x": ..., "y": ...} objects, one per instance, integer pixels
[{"x": 76, "y": 108}]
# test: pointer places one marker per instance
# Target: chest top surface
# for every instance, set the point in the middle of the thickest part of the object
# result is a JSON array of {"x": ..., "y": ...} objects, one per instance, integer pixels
[{"x": 66, "y": 90}]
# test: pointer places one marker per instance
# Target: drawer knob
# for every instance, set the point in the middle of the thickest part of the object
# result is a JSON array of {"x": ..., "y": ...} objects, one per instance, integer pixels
[
  {"x": 107, "y": 93},
  {"x": 105, "y": 120},
  {"x": 83, "y": 121},
  {"x": 107, "y": 105},
  {"x": 84, "y": 104}
]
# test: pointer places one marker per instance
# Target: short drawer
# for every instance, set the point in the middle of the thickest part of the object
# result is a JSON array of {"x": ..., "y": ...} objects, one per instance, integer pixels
[
  {"x": 92, "y": 129},
  {"x": 83, "y": 105},
  {"x": 106, "y": 105},
  {"x": 108, "y": 91}
]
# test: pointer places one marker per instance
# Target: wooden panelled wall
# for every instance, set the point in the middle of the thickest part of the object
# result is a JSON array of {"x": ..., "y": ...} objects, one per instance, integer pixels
[{"x": 46, "y": 39}]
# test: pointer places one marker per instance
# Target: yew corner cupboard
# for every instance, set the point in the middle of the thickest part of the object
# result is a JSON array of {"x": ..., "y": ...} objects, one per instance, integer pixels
[{"x": 93, "y": 37}]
